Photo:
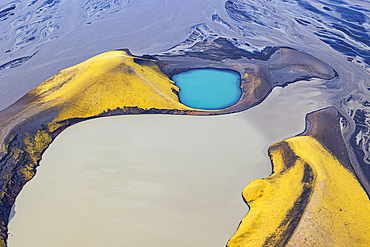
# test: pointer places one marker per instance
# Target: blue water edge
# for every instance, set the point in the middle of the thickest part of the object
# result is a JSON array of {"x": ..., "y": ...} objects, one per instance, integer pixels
[{"x": 208, "y": 89}]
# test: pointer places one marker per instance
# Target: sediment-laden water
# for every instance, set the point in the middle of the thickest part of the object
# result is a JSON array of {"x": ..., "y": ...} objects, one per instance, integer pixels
[{"x": 141, "y": 181}]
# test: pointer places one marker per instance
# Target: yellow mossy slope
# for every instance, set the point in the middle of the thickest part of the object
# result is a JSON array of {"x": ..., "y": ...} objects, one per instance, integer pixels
[
  {"x": 108, "y": 81},
  {"x": 309, "y": 200}
]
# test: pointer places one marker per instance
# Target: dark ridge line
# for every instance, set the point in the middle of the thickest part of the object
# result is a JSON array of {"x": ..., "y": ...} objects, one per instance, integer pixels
[
  {"x": 316, "y": 125},
  {"x": 294, "y": 215},
  {"x": 342, "y": 153}
]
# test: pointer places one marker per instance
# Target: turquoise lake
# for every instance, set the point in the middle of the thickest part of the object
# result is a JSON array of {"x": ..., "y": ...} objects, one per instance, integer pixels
[{"x": 208, "y": 89}]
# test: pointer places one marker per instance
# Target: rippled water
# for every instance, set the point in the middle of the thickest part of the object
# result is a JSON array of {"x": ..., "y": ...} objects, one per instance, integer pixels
[{"x": 38, "y": 38}]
